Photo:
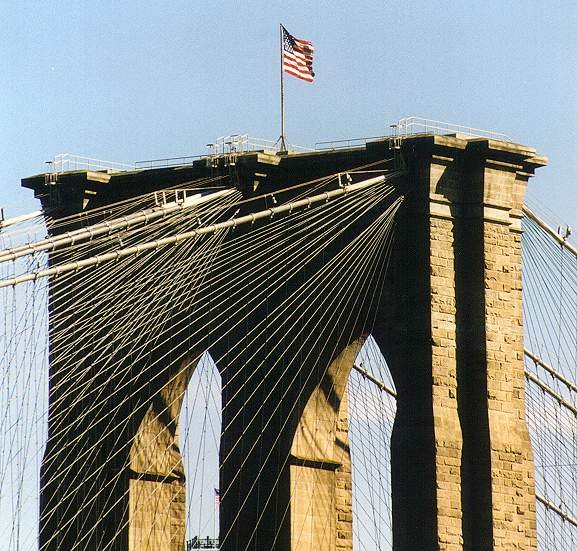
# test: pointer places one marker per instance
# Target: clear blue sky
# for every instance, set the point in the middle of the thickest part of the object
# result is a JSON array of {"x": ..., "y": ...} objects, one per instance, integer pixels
[{"x": 126, "y": 81}]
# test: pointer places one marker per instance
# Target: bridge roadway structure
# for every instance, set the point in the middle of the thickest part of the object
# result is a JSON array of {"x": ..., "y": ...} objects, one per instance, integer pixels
[{"x": 442, "y": 300}]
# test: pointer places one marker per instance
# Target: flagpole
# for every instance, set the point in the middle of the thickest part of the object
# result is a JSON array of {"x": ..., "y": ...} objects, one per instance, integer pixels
[{"x": 282, "y": 134}]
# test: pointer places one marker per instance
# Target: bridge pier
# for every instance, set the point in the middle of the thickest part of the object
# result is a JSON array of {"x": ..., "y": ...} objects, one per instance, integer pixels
[
  {"x": 156, "y": 489},
  {"x": 451, "y": 328},
  {"x": 450, "y": 325},
  {"x": 320, "y": 464}
]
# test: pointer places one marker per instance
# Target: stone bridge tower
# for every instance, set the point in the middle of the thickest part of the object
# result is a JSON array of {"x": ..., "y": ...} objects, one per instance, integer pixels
[{"x": 449, "y": 323}]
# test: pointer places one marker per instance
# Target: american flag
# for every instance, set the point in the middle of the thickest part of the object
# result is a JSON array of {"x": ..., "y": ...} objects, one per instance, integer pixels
[
  {"x": 217, "y": 496},
  {"x": 297, "y": 56}
]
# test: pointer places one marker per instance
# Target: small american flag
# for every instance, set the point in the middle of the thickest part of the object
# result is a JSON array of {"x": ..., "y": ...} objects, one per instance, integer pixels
[
  {"x": 217, "y": 496},
  {"x": 297, "y": 57}
]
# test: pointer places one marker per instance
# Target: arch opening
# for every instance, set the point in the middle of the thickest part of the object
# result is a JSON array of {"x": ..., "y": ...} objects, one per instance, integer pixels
[
  {"x": 371, "y": 417},
  {"x": 200, "y": 424}
]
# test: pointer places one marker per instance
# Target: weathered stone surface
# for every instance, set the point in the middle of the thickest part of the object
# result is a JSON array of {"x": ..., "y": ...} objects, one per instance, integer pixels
[
  {"x": 321, "y": 480},
  {"x": 455, "y": 347}
]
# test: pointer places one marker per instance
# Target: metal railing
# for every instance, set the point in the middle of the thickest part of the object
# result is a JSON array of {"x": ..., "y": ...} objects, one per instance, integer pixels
[
  {"x": 224, "y": 146},
  {"x": 236, "y": 144},
  {"x": 240, "y": 143},
  {"x": 243, "y": 143},
  {"x": 168, "y": 162},
  {"x": 65, "y": 162},
  {"x": 346, "y": 143},
  {"x": 202, "y": 543},
  {"x": 411, "y": 126},
  {"x": 414, "y": 126}
]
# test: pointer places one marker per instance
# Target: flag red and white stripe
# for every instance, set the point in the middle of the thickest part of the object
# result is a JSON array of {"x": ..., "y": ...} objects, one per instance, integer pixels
[
  {"x": 297, "y": 57},
  {"x": 216, "y": 496}
]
